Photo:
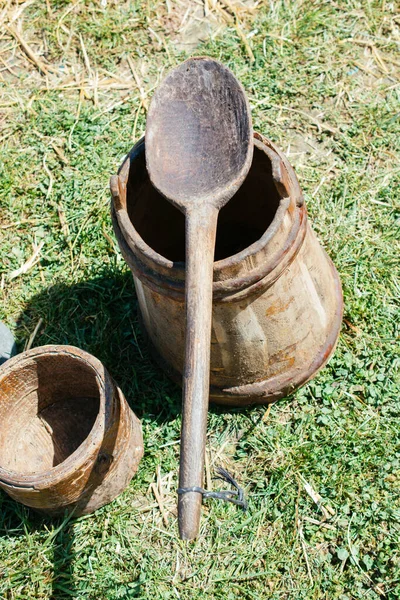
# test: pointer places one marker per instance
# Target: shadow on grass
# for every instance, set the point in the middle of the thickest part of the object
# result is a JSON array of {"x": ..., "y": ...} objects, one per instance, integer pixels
[{"x": 99, "y": 316}]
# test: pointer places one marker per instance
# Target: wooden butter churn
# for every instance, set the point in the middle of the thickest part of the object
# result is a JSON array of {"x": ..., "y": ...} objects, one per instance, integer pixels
[{"x": 277, "y": 299}]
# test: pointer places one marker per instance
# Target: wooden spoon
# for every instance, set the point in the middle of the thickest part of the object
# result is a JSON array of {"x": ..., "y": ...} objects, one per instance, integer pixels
[{"x": 199, "y": 147}]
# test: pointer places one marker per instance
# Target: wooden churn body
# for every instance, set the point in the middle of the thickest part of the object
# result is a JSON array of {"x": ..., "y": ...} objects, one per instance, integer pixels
[{"x": 277, "y": 299}]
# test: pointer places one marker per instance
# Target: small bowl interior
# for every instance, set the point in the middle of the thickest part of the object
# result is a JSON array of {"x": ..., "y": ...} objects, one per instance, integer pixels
[{"x": 48, "y": 406}]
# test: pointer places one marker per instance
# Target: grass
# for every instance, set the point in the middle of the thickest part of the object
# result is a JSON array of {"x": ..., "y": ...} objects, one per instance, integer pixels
[{"x": 323, "y": 81}]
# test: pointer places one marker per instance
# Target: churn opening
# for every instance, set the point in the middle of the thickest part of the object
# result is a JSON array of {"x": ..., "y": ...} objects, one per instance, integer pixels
[
  {"x": 242, "y": 222},
  {"x": 52, "y": 405}
]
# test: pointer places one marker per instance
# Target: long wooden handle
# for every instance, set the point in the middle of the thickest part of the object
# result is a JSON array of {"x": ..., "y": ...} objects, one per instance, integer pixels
[{"x": 201, "y": 228}]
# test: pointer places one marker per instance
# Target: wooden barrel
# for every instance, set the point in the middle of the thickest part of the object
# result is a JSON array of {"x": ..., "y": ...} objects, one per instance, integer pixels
[
  {"x": 277, "y": 299},
  {"x": 68, "y": 439}
]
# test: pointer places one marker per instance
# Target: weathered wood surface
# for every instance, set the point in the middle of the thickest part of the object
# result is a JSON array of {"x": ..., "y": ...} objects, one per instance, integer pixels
[
  {"x": 68, "y": 439},
  {"x": 200, "y": 235},
  {"x": 198, "y": 152},
  {"x": 198, "y": 135},
  {"x": 277, "y": 303}
]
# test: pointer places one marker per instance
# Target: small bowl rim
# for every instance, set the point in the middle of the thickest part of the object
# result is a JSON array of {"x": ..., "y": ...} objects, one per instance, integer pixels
[{"x": 90, "y": 446}]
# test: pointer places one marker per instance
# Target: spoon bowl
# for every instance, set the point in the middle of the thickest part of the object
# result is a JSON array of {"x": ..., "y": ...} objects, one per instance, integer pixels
[{"x": 199, "y": 135}]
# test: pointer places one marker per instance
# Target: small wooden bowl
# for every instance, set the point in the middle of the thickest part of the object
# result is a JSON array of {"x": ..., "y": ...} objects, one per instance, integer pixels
[{"x": 68, "y": 439}]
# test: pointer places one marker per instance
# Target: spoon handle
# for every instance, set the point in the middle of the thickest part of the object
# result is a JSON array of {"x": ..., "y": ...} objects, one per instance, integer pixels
[{"x": 201, "y": 229}]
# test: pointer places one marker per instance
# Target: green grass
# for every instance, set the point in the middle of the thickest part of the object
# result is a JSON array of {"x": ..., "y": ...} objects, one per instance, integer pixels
[{"x": 333, "y": 104}]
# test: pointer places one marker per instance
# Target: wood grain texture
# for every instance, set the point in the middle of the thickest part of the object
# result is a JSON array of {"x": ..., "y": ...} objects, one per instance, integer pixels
[
  {"x": 198, "y": 152},
  {"x": 267, "y": 335},
  {"x": 198, "y": 134},
  {"x": 201, "y": 228},
  {"x": 68, "y": 439}
]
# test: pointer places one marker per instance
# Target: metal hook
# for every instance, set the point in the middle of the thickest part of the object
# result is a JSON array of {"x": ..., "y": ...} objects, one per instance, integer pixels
[{"x": 235, "y": 496}]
